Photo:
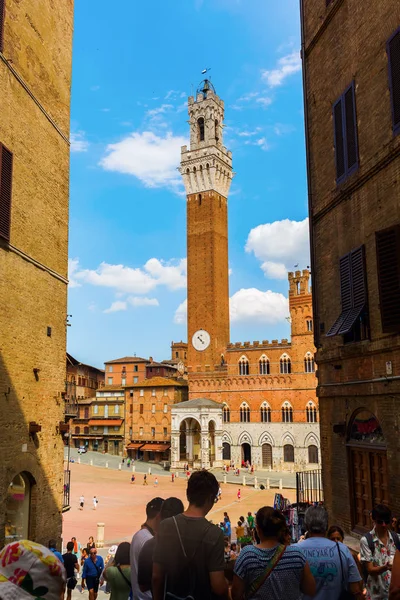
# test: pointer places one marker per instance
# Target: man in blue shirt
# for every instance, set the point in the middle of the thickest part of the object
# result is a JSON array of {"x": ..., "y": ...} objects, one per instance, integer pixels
[
  {"x": 52, "y": 546},
  {"x": 92, "y": 570},
  {"x": 332, "y": 572}
]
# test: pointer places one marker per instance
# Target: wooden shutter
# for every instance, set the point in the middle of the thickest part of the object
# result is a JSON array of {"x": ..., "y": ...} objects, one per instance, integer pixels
[
  {"x": 351, "y": 128},
  {"x": 388, "y": 264},
  {"x": 2, "y": 13},
  {"x": 6, "y": 161},
  {"x": 394, "y": 77},
  {"x": 339, "y": 139},
  {"x": 359, "y": 290}
]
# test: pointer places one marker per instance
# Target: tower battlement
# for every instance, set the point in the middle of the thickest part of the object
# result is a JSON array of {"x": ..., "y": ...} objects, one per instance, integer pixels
[
  {"x": 258, "y": 345},
  {"x": 299, "y": 282}
]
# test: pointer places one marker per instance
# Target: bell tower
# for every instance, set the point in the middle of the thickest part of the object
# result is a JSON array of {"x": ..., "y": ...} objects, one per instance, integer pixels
[{"x": 206, "y": 170}]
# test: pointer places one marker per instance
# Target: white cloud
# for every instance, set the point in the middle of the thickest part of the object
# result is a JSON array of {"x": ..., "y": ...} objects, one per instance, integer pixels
[
  {"x": 264, "y": 101},
  {"x": 281, "y": 244},
  {"x": 261, "y": 143},
  {"x": 138, "y": 301},
  {"x": 78, "y": 142},
  {"x": 257, "y": 306},
  {"x": 180, "y": 315},
  {"x": 173, "y": 276},
  {"x": 73, "y": 264},
  {"x": 249, "y": 133},
  {"x": 248, "y": 305},
  {"x": 151, "y": 158},
  {"x": 287, "y": 65},
  {"x": 116, "y": 306},
  {"x": 154, "y": 112}
]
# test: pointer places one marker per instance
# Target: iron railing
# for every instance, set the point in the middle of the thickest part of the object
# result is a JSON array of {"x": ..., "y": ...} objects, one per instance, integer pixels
[
  {"x": 67, "y": 490},
  {"x": 309, "y": 487}
]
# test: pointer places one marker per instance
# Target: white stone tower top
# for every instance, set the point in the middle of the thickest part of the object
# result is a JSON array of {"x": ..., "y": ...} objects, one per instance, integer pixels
[{"x": 208, "y": 164}]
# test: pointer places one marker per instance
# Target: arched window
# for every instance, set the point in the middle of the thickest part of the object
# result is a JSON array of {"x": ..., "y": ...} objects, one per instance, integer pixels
[
  {"x": 243, "y": 366},
  {"x": 244, "y": 413},
  {"x": 17, "y": 507},
  {"x": 309, "y": 324},
  {"x": 285, "y": 364},
  {"x": 86, "y": 430},
  {"x": 287, "y": 413},
  {"x": 96, "y": 409},
  {"x": 263, "y": 365},
  {"x": 288, "y": 453},
  {"x": 199, "y": 199},
  {"x": 216, "y": 130},
  {"x": 77, "y": 430},
  {"x": 226, "y": 451},
  {"x": 311, "y": 413},
  {"x": 265, "y": 413},
  {"x": 313, "y": 455},
  {"x": 309, "y": 363},
  {"x": 200, "y": 127},
  {"x": 226, "y": 414}
]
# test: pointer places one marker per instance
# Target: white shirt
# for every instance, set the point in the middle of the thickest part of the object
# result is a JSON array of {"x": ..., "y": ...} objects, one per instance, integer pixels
[
  {"x": 82, "y": 499},
  {"x": 138, "y": 541}
]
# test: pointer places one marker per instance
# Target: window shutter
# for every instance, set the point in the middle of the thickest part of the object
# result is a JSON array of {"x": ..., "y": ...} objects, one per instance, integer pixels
[
  {"x": 351, "y": 129},
  {"x": 388, "y": 263},
  {"x": 345, "y": 282},
  {"x": 6, "y": 161},
  {"x": 394, "y": 77},
  {"x": 358, "y": 277},
  {"x": 339, "y": 140},
  {"x": 2, "y": 13}
]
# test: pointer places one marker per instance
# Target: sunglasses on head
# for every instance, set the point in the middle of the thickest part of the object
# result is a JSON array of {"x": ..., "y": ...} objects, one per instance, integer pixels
[{"x": 382, "y": 521}]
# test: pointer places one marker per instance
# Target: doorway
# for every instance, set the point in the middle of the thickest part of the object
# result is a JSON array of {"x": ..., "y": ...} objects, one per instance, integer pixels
[
  {"x": 266, "y": 456},
  {"x": 246, "y": 452}
]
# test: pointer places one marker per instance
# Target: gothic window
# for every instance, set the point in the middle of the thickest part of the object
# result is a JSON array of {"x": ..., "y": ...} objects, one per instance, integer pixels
[
  {"x": 263, "y": 366},
  {"x": 216, "y": 130},
  {"x": 244, "y": 413},
  {"x": 311, "y": 413},
  {"x": 309, "y": 363},
  {"x": 200, "y": 126},
  {"x": 199, "y": 199},
  {"x": 226, "y": 414},
  {"x": 265, "y": 413},
  {"x": 288, "y": 453},
  {"x": 77, "y": 430},
  {"x": 243, "y": 366},
  {"x": 309, "y": 324},
  {"x": 313, "y": 454},
  {"x": 285, "y": 364},
  {"x": 287, "y": 413}
]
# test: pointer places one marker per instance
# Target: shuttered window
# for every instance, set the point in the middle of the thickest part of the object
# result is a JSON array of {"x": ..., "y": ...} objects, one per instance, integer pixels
[
  {"x": 345, "y": 134},
  {"x": 353, "y": 289},
  {"x": 388, "y": 264},
  {"x": 393, "y": 48},
  {"x": 6, "y": 162},
  {"x": 2, "y": 12}
]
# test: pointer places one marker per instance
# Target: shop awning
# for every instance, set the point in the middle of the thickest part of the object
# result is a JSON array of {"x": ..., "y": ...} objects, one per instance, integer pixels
[
  {"x": 105, "y": 422},
  {"x": 155, "y": 447},
  {"x": 134, "y": 445}
]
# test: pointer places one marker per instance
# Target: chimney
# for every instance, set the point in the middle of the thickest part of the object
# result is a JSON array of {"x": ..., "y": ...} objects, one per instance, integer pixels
[{"x": 150, "y": 359}]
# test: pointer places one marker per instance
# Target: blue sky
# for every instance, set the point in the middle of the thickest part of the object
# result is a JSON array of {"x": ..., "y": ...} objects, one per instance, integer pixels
[{"x": 133, "y": 68}]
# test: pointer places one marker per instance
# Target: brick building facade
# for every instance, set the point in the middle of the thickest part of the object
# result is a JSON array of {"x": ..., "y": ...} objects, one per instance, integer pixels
[
  {"x": 351, "y": 70},
  {"x": 81, "y": 383},
  {"x": 35, "y": 80}
]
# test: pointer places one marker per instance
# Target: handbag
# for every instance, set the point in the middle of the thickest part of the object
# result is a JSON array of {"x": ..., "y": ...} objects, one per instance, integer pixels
[
  {"x": 345, "y": 594},
  {"x": 257, "y": 583}
]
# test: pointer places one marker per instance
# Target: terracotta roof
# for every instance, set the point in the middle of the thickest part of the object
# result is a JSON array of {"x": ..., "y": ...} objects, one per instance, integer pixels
[
  {"x": 158, "y": 382},
  {"x": 110, "y": 388},
  {"x": 74, "y": 362},
  {"x": 161, "y": 364},
  {"x": 128, "y": 359}
]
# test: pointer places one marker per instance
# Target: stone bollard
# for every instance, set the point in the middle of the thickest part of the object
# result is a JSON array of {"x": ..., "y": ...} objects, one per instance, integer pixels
[
  {"x": 91, "y": 462},
  {"x": 119, "y": 467},
  {"x": 100, "y": 535},
  {"x": 149, "y": 471},
  {"x": 268, "y": 484},
  {"x": 280, "y": 484},
  {"x": 133, "y": 468},
  {"x": 244, "y": 480},
  {"x": 224, "y": 477},
  {"x": 106, "y": 465},
  {"x": 255, "y": 483},
  {"x": 79, "y": 460}
]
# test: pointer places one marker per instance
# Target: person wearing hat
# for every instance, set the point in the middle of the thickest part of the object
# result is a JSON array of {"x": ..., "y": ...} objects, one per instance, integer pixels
[
  {"x": 29, "y": 570},
  {"x": 146, "y": 532}
]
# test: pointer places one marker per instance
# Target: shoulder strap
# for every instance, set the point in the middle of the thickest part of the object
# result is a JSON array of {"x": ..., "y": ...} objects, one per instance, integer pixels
[
  {"x": 126, "y": 579},
  {"x": 396, "y": 539},
  {"x": 341, "y": 563},
  {"x": 370, "y": 542},
  {"x": 255, "y": 586},
  {"x": 181, "y": 543}
]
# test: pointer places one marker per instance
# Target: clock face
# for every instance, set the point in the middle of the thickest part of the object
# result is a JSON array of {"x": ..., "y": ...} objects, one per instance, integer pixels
[
  {"x": 181, "y": 367},
  {"x": 201, "y": 340}
]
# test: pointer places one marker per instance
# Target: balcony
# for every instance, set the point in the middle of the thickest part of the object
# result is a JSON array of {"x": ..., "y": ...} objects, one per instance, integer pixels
[
  {"x": 66, "y": 491},
  {"x": 71, "y": 410}
]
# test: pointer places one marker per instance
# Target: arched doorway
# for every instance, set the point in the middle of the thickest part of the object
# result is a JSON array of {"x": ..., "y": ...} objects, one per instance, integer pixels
[
  {"x": 189, "y": 447},
  {"x": 246, "y": 452},
  {"x": 18, "y": 505},
  {"x": 266, "y": 456},
  {"x": 226, "y": 451},
  {"x": 211, "y": 441},
  {"x": 368, "y": 473},
  {"x": 313, "y": 455}
]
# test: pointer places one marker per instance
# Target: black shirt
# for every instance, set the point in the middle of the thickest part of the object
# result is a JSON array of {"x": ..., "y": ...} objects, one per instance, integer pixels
[
  {"x": 70, "y": 561},
  {"x": 145, "y": 563}
]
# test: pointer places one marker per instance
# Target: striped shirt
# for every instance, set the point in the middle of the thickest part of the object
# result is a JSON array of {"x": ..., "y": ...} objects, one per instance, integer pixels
[{"x": 283, "y": 582}]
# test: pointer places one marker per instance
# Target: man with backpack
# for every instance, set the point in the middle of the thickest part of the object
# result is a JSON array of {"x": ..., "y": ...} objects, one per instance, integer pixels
[
  {"x": 188, "y": 560},
  {"x": 377, "y": 549}
]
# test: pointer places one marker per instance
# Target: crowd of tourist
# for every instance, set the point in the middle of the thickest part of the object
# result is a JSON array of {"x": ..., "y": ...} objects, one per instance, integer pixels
[{"x": 179, "y": 555}]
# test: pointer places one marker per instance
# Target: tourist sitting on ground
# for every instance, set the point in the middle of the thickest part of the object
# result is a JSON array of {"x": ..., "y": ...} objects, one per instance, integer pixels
[
  {"x": 146, "y": 532},
  {"x": 336, "y": 534},
  {"x": 71, "y": 565},
  {"x": 377, "y": 550},
  {"x": 118, "y": 573},
  {"x": 29, "y": 570},
  {"x": 332, "y": 576},
  {"x": 92, "y": 570},
  {"x": 170, "y": 508},
  {"x": 189, "y": 553},
  {"x": 270, "y": 569},
  {"x": 394, "y": 590}
]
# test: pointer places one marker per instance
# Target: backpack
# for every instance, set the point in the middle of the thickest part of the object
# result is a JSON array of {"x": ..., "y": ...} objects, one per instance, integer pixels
[{"x": 371, "y": 546}]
